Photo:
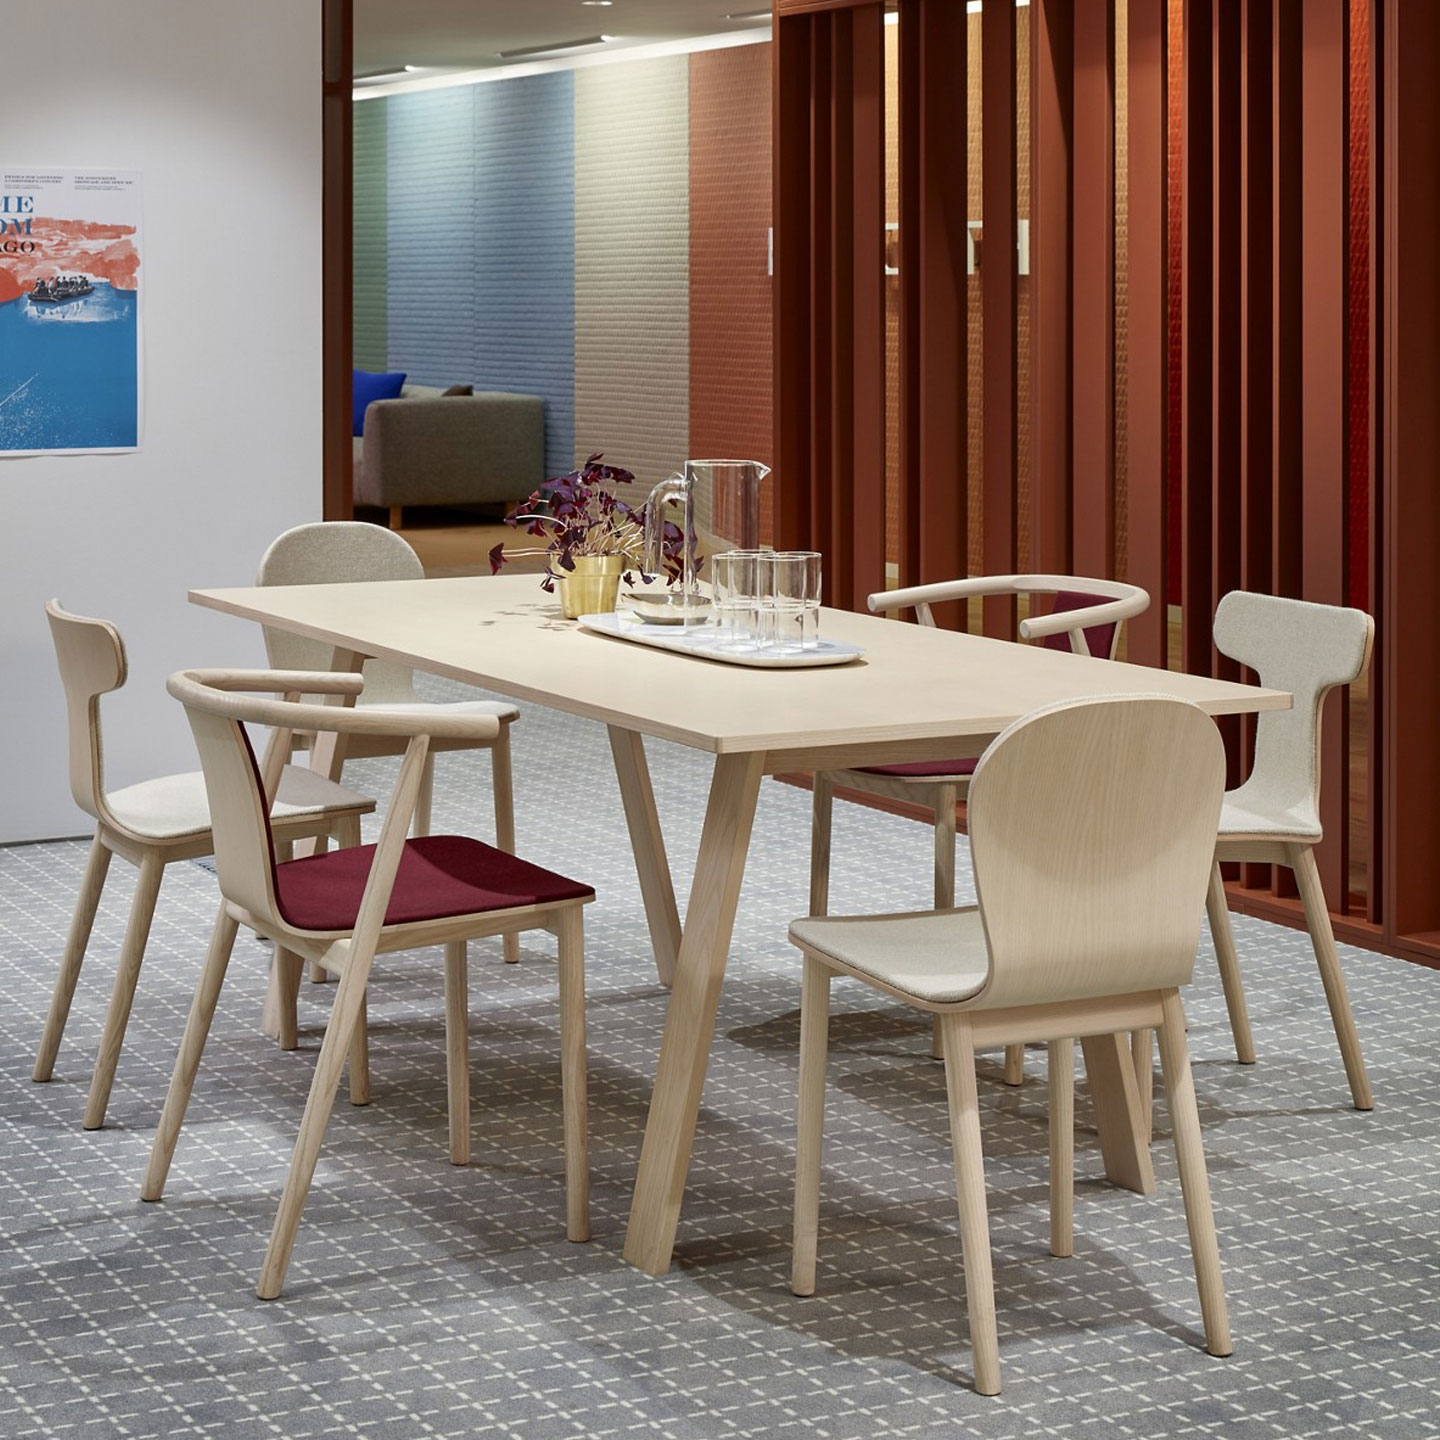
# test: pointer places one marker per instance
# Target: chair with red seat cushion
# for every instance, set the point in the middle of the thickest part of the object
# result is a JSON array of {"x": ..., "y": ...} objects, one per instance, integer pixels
[
  {"x": 1084, "y": 617},
  {"x": 343, "y": 908}
]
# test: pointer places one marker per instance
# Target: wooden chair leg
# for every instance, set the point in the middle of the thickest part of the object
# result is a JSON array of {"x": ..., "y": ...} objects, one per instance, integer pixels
[
  {"x": 810, "y": 1123},
  {"x": 349, "y": 998},
  {"x": 420, "y": 825},
  {"x": 1194, "y": 1182},
  {"x": 1014, "y": 1065},
  {"x": 1062, "y": 1147},
  {"x": 503, "y": 784},
  {"x": 187, "y": 1062},
  {"x": 286, "y": 969},
  {"x": 457, "y": 1049},
  {"x": 127, "y": 972},
  {"x": 1218, "y": 909},
  {"x": 319, "y": 975},
  {"x": 570, "y": 932},
  {"x": 944, "y": 797},
  {"x": 81, "y": 923},
  {"x": 1322, "y": 937},
  {"x": 397, "y": 517},
  {"x": 970, "y": 1193},
  {"x": 1142, "y": 1052},
  {"x": 822, "y": 805},
  {"x": 359, "y": 1057}
]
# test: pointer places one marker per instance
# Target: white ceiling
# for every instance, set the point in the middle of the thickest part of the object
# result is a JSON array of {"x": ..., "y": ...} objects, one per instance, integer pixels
[{"x": 440, "y": 35}]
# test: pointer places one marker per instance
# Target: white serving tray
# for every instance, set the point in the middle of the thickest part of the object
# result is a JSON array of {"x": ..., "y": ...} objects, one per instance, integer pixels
[{"x": 699, "y": 640}]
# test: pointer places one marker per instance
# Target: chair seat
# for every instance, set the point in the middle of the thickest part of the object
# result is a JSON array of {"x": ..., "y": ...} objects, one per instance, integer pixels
[
  {"x": 936, "y": 957},
  {"x": 174, "y": 806},
  {"x": 924, "y": 769},
  {"x": 439, "y": 876},
  {"x": 1239, "y": 818}
]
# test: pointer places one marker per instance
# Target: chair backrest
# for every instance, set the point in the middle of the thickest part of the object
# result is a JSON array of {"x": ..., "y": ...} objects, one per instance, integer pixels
[
  {"x": 330, "y": 552},
  {"x": 1098, "y": 608},
  {"x": 1092, "y": 831},
  {"x": 91, "y": 657},
  {"x": 1308, "y": 650}
]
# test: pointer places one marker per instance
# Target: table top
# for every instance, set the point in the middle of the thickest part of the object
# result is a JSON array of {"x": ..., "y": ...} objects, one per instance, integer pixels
[{"x": 915, "y": 685}]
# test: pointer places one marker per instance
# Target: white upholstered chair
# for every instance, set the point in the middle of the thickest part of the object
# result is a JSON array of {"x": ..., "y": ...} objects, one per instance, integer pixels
[
  {"x": 1274, "y": 817},
  {"x": 343, "y": 908},
  {"x": 334, "y": 551},
  {"x": 1085, "y": 617},
  {"x": 1092, "y": 830},
  {"x": 151, "y": 824}
]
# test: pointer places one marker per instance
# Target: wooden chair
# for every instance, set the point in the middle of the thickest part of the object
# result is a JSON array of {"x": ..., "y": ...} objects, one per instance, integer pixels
[
  {"x": 334, "y": 551},
  {"x": 1085, "y": 616},
  {"x": 1274, "y": 817},
  {"x": 343, "y": 908},
  {"x": 151, "y": 824},
  {"x": 1090, "y": 829}
]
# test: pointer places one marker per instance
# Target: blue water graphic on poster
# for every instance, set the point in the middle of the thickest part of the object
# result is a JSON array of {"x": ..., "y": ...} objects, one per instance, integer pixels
[
  {"x": 70, "y": 312},
  {"x": 68, "y": 373}
]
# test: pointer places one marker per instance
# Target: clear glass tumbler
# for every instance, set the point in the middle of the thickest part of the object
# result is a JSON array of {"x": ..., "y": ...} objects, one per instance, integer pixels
[
  {"x": 796, "y": 600},
  {"x": 737, "y": 580}
]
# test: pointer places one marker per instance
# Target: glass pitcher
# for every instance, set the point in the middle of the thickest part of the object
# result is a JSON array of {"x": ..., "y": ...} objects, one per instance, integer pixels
[
  {"x": 725, "y": 502},
  {"x": 666, "y": 599}
]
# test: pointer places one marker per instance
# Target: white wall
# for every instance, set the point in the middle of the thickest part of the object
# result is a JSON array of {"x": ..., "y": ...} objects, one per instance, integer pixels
[{"x": 219, "y": 107}]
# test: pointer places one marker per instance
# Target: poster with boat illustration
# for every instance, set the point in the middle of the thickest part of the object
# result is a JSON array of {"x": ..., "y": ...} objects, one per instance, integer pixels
[{"x": 70, "y": 374}]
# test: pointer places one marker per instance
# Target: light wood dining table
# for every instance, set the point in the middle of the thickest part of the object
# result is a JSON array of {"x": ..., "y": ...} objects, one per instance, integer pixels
[{"x": 917, "y": 694}]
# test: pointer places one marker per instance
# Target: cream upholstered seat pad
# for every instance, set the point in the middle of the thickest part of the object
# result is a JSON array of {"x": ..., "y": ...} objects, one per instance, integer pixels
[
  {"x": 1279, "y": 818},
  {"x": 175, "y": 805},
  {"x": 938, "y": 956}
]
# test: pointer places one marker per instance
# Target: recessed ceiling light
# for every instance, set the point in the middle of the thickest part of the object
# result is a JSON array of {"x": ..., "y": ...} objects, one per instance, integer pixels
[
  {"x": 598, "y": 4},
  {"x": 379, "y": 77}
]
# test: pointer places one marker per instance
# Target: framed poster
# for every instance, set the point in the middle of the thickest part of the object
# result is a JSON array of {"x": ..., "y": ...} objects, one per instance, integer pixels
[{"x": 70, "y": 374}]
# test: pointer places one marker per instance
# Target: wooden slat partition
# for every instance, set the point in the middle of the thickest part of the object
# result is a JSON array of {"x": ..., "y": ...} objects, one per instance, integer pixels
[
  {"x": 1409, "y": 360},
  {"x": 1255, "y": 185},
  {"x": 1052, "y": 88},
  {"x": 933, "y": 306},
  {"x": 1146, "y": 335},
  {"x": 829, "y": 333},
  {"x": 999, "y": 308},
  {"x": 1093, "y": 242}
]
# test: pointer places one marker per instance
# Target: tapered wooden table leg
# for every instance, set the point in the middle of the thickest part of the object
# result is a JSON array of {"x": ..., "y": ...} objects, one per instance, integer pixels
[
  {"x": 1124, "y": 1137},
  {"x": 690, "y": 1020},
  {"x": 656, "y": 887}
]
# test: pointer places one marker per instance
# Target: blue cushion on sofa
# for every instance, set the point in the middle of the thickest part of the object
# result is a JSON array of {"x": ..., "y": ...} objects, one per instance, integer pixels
[{"x": 367, "y": 386}]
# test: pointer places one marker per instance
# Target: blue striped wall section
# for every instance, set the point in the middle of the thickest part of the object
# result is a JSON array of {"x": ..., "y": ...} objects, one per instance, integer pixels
[
  {"x": 524, "y": 228},
  {"x": 431, "y": 310}
]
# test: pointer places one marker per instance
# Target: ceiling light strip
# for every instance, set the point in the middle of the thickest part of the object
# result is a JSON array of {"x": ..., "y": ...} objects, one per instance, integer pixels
[{"x": 610, "y": 55}]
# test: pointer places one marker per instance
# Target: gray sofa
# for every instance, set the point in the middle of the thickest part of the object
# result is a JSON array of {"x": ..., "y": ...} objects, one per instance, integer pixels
[{"x": 429, "y": 448}]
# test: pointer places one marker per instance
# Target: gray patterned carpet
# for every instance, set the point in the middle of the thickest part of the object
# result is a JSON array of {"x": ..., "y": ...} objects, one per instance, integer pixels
[{"x": 431, "y": 1301}]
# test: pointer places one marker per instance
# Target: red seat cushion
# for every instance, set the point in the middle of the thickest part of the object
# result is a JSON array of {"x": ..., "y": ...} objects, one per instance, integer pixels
[
  {"x": 922, "y": 769},
  {"x": 439, "y": 876},
  {"x": 1099, "y": 639}
]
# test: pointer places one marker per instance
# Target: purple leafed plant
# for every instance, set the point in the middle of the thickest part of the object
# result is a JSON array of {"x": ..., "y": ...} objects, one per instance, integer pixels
[{"x": 580, "y": 514}]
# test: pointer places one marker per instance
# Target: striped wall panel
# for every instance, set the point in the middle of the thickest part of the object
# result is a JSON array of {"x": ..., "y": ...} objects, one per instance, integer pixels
[
  {"x": 431, "y": 234},
  {"x": 368, "y": 307},
  {"x": 730, "y": 288},
  {"x": 523, "y": 144},
  {"x": 632, "y": 264}
]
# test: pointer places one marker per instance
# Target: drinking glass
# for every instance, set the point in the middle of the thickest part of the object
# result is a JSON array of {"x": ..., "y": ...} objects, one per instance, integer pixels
[
  {"x": 737, "y": 582},
  {"x": 795, "y": 602}
]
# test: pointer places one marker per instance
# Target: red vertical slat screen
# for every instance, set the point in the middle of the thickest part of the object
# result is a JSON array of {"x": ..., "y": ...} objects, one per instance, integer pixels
[
  {"x": 1281, "y": 345},
  {"x": 999, "y": 307}
]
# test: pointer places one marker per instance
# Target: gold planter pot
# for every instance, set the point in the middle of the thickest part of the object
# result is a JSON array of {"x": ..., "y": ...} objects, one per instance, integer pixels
[{"x": 592, "y": 586}]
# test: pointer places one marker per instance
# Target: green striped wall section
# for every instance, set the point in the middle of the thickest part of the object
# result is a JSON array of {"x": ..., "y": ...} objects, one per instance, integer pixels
[{"x": 371, "y": 299}]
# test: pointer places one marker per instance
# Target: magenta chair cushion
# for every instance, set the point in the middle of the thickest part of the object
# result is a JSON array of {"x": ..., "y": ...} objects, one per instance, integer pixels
[
  {"x": 439, "y": 876},
  {"x": 1099, "y": 638}
]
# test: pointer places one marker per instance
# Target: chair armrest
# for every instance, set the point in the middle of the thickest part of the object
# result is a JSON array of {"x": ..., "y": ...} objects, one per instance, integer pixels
[
  {"x": 1063, "y": 622},
  {"x": 208, "y": 690}
]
